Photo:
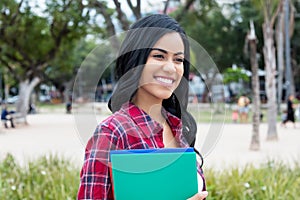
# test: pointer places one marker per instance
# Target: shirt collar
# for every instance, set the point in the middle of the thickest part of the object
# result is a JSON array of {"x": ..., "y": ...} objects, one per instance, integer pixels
[{"x": 149, "y": 126}]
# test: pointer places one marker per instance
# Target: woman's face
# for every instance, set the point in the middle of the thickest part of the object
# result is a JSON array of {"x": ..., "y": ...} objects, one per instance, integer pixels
[{"x": 163, "y": 69}]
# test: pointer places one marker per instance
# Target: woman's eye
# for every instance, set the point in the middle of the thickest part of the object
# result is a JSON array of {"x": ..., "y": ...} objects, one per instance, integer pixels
[
  {"x": 179, "y": 60},
  {"x": 159, "y": 56}
]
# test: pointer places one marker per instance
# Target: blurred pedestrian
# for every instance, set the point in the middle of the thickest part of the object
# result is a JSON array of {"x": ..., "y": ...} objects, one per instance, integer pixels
[
  {"x": 69, "y": 104},
  {"x": 235, "y": 115},
  {"x": 31, "y": 109},
  {"x": 243, "y": 104},
  {"x": 283, "y": 116},
  {"x": 6, "y": 116},
  {"x": 290, "y": 111},
  {"x": 68, "y": 107}
]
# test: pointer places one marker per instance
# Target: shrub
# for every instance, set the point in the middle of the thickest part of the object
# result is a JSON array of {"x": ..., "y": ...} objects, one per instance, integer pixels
[
  {"x": 45, "y": 178},
  {"x": 269, "y": 181}
]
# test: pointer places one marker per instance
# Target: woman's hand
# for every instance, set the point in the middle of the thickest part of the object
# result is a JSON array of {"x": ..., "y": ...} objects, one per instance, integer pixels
[{"x": 199, "y": 196}]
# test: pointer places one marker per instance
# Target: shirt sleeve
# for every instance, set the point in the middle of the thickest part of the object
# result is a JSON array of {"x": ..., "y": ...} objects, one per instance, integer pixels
[{"x": 95, "y": 181}]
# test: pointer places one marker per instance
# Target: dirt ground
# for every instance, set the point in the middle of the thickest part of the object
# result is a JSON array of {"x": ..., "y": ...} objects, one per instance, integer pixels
[{"x": 224, "y": 145}]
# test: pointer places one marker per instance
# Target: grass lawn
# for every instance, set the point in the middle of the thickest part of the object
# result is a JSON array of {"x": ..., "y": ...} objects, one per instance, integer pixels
[
  {"x": 220, "y": 113},
  {"x": 55, "y": 178},
  {"x": 217, "y": 113}
]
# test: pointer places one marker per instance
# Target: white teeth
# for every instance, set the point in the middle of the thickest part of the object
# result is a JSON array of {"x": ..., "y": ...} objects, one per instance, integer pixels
[{"x": 164, "y": 80}]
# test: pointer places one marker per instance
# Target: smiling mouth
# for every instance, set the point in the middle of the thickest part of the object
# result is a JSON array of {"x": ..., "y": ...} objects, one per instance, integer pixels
[{"x": 165, "y": 81}]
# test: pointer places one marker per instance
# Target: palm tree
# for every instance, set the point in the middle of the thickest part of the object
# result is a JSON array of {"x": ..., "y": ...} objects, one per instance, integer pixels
[
  {"x": 270, "y": 9},
  {"x": 251, "y": 40}
]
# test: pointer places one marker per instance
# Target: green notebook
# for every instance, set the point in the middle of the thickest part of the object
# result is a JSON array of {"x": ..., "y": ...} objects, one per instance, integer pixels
[{"x": 156, "y": 174}]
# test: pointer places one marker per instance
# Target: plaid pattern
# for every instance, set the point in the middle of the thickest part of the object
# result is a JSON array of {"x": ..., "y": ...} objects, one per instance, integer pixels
[{"x": 129, "y": 128}]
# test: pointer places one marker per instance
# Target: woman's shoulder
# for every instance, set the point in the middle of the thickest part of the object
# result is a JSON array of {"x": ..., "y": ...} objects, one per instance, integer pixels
[{"x": 117, "y": 121}]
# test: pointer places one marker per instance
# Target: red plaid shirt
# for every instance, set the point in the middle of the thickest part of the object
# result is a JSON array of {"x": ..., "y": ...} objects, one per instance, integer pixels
[{"x": 129, "y": 128}]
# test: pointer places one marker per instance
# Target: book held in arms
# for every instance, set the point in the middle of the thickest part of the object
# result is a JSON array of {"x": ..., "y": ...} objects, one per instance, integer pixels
[{"x": 160, "y": 174}]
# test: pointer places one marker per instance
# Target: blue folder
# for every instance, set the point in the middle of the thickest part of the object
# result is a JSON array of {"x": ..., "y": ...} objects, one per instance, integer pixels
[{"x": 156, "y": 174}]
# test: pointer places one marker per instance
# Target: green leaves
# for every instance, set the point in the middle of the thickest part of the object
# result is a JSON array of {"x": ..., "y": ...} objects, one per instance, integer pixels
[
  {"x": 30, "y": 41},
  {"x": 231, "y": 75}
]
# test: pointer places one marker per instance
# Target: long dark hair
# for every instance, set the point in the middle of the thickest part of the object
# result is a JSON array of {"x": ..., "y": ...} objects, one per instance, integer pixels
[{"x": 133, "y": 54}]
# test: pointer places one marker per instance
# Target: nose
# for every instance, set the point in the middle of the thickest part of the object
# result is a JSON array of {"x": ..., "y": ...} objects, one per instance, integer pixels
[{"x": 169, "y": 66}]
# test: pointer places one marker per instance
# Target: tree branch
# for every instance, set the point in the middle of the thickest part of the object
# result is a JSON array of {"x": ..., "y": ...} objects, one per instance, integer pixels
[
  {"x": 13, "y": 18},
  {"x": 121, "y": 16},
  {"x": 62, "y": 33},
  {"x": 107, "y": 17},
  {"x": 276, "y": 13},
  {"x": 292, "y": 19},
  {"x": 186, "y": 7},
  {"x": 101, "y": 7},
  {"x": 166, "y": 6},
  {"x": 136, "y": 10},
  {"x": 10, "y": 69},
  {"x": 14, "y": 45},
  {"x": 14, "y": 58}
]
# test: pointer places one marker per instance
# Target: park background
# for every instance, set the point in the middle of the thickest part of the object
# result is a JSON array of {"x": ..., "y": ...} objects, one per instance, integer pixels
[{"x": 43, "y": 44}]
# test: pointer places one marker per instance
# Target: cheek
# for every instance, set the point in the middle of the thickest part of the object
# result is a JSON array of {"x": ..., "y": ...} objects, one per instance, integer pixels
[
  {"x": 180, "y": 71},
  {"x": 146, "y": 74}
]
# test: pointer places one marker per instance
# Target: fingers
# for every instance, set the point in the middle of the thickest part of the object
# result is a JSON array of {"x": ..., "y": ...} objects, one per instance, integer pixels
[{"x": 199, "y": 196}]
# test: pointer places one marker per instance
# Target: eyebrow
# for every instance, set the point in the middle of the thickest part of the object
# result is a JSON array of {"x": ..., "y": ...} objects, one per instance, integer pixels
[{"x": 166, "y": 52}]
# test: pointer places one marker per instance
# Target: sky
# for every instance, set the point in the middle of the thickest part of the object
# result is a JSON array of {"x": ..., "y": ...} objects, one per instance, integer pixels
[
  {"x": 152, "y": 5},
  {"x": 146, "y": 5}
]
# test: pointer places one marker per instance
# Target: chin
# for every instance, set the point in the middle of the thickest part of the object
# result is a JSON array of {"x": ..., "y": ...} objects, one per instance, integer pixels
[
  {"x": 163, "y": 95},
  {"x": 157, "y": 92}
]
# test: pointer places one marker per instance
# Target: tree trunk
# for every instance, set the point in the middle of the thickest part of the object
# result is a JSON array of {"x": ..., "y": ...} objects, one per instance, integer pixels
[
  {"x": 290, "y": 87},
  {"x": 25, "y": 89},
  {"x": 255, "y": 144},
  {"x": 209, "y": 80},
  {"x": 6, "y": 92},
  {"x": 280, "y": 58},
  {"x": 270, "y": 69}
]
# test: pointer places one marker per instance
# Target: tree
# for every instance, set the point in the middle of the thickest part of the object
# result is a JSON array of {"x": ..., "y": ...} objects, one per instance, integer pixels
[
  {"x": 60, "y": 72},
  {"x": 270, "y": 10},
  {"x": 231, "y": 75},
  {"x": 30, "y": 42},
  {"x": 108, "y": 14},
  {"x": 102, "y": 9},
  {"x": 251, "y": 39},
  {"x": 280, "y": 57},
  {"x": 284, "y": 31},
  {"x": 295, "y": 45},
  {"x": 206, "y": 24},
  {"x": 182, "y": 10},
  {"x": 241, "y": 13},
  {"x": 290, "y": 87}
]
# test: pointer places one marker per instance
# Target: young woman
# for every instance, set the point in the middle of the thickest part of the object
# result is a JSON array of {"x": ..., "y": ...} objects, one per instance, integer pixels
[{"x": 149, "y": 103}]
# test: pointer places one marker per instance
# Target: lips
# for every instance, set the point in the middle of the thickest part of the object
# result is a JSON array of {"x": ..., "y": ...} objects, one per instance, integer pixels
[{"x": 166, "y": 81}]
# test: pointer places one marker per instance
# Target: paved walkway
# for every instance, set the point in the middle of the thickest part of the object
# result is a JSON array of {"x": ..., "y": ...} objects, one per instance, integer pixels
[{"x": 57, "y": 134}]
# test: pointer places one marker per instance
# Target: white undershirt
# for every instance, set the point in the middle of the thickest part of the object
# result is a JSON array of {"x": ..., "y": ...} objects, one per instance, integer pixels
[
  {"x": 199, "y": 177},
  {"x": 200, "y": 182}
]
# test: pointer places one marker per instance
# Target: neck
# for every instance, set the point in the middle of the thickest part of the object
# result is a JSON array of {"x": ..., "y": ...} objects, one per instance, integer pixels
[{"x": 152, "y": 106}]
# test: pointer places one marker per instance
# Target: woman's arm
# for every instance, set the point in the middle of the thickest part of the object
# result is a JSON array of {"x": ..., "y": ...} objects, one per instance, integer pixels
[{"x": 95, "y": 182}]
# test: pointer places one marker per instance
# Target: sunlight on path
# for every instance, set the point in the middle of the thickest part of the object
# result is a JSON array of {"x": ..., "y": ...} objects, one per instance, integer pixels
[{"x": 57, "y": 134}]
